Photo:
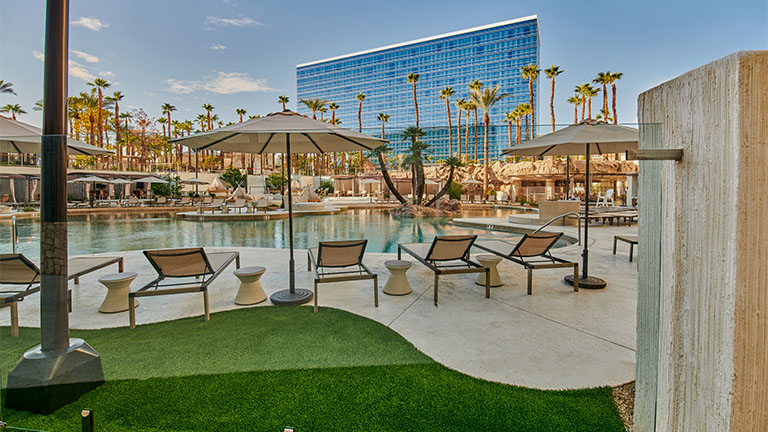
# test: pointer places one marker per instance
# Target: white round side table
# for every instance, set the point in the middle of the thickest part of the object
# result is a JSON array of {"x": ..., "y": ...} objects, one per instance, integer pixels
[
  {"x": 397, "y": 284},
  {"x": 489, "y": 261},
  {"x": 250, "y": 292},
  {"x": 118, "y": 286}
]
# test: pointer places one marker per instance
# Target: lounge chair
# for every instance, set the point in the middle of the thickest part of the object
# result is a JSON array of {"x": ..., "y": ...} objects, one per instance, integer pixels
[
  {"x": 133, "y": 201},
  {"x": 344, "y": 259},
  {"x": 533, "y": 252},
  {"x": 447, "y": 255},
  {"x": 185, "y": 201},
  {"x": 191, "y": 263},
  {"x": 16, "y": 269},
  {"x": 161, "y": 201},
  {"x": 261, "y": 204},
  {"x": 239, "y": 204},
  {"x": 206, "y": 200},
  {"x": 215, "y": 204}
]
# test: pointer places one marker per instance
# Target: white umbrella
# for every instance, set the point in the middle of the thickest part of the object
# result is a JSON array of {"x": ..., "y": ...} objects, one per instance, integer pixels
[
  {"x": 585, "y": 138},
  {"x": 121, "y": 182},
  {"x": 284, "y": 132},
  {"x": 149, "y": 180},
  {"x": 20, "y": 137},
  {"x": 88, "y": 180}
]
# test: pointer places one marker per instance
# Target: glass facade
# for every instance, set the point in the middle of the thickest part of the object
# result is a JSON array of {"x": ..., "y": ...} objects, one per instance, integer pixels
[{"x": 492, "y": 54}]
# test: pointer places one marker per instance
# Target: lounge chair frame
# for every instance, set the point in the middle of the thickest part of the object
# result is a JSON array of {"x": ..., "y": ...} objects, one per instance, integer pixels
[
  {"x": 205, "y": 279},
  {"x": 362, "y": 272},
  {"x": 544, "y": 260},
  {"x": 467, "y": 266}
]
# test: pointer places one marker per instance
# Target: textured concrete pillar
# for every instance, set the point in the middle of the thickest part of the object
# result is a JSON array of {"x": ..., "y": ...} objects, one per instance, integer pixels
[{"x": 702, "y": 358}]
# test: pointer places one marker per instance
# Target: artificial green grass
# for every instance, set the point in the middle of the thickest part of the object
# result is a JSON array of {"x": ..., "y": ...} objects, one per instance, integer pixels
[{"x": 267, "y": 368}]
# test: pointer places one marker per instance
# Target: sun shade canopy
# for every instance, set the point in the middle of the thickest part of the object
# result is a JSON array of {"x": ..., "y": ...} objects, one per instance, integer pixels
[
  {"x": 19, "y": 137},
  {"x": 573, "y": 140},
  {"x": 268, "y": 135}
]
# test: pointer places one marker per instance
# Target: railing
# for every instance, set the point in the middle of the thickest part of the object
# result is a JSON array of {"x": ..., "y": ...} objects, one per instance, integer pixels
[{"x": 562, "y": 216}]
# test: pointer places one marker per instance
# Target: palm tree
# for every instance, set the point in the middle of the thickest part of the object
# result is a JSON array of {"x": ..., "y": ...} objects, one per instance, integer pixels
[
  {"x": 38, "y": 105},
  {"x": 167, "y": 110},
  {"x": 333, "y": 106},
  {"x": 525, "y": 110},
  {"x": 360, "y": 98},
  {"x": 100, "y": 84},
  {"x": 590, "y": 92},
  {"x": 582, "y": 90},
  {"x": 486, "y": 100},
  {"x": 603, "y": 78},
  {"x": 519, "y": 114},
  {"x": 575, "y": 100},
  {"x": 208, "y": 108},
  {"x": 6, "y": 88},
  {"x": 552, "y": 72},
  {"x": 469, "y": 106},
  {"x": 283, "y": 99},
  {"x": 13, "y": 109},
  {"x": 255, "y": 116},
  {"x": 531, "y": 73},
  {"x": 90, "y": 103},
  {"x": 314, "y": 105},
  {"x": 615, "y": 77},
  {"x": 452, "y": 163},
  {"x": 459, "y": 108},
  {"x": 323, "y": 110},
  {"x": 510, "y": 117},
  {"x": 416, "y": 160},
  {"x": 604, "y": 115},
  {"x": 115, "y": 99},
  {"x": 241, "y": 112},
  {"x": 201, "y": 118},
  {"x": 412, "y": 79},
  {"x": 163, "y": 121},
  {"x": 383, "y": 118},
  {"x": 379, "y": 153},
  {"x": 446, "y": 94},
  {"x": 475, "y": 86}
]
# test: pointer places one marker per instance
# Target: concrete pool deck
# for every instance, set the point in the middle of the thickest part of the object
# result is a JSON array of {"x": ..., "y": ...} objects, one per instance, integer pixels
[{"x": 554, "y": 339}]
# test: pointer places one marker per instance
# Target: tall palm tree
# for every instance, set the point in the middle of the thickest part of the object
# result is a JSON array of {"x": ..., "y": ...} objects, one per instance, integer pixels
[
  {"x": 531, "y": 73},
  {"x": 360, "y": 98},
  {"x": 90, "y": 104},
  {"x": 163, "y": 121},
  {"x": 6, "y": 88},
  {"x": 446, "y": 94},
  {"x": 333, "y": 106},
  {"x": 510, "y": 117},
  {"x": 615, "y": 77},
  {"x": 519, "y": 114},
  {"x": 590, "y": 92},
  {"x": 379, "y": 152},
  {"x": 100, "y": 84},
  {"x": 115, "y": 99},
  {"x": 383, "y": 118},
  {"x": 486, "y": 100},
  {"x": 413, "y": 78},
  {"x": 581, "y": 90},
  {"x": 314, "y": 105},
  {"x": 452, "y": 163},
  {"x": 208, "y": 108},
  {"x": 283, "y": 99},
  {"x": 167, "y": 110},
  {"x": 603, "y": 79},
  {"x": 552, "y": 72},
  {"x": 459, "y": 108},
  {"x": 241, "y": 112},
  {"x": 525, "y": 110},
  {"x": 202, "y": 119},
  {"x": 323, "y": 110},
  {"x": 416, "y": 160},
  {"x": 469, "y": 106},
  {"x": 575, "y": 100},
  {"x": 475, "y": 86},
  {"x": 13, "y": 109}
]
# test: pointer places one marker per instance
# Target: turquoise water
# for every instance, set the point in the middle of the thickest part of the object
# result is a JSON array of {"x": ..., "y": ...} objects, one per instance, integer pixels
[{"x": 106, "y": 233}]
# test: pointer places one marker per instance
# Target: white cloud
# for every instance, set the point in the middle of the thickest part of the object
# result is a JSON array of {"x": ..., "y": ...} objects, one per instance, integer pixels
[
  {"x": 242, "y": 21},
  {"x": 222, "y": 83},
  {"x": 90, "y": 23},
  {"x": 38, "y": 55},
  {"x": 218, "y": 47},
  {"x": 107, "y": 74},
  {"x": 90, "y": 58},
  {"x": 76, "y": 69}
]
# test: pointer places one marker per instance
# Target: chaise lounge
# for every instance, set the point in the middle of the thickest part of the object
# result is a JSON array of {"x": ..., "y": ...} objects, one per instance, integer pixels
[{"x": 339, "y": 257}]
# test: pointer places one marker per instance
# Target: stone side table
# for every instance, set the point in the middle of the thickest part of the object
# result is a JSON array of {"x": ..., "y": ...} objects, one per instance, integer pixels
[
  {"x": 250, "y": 292},
  {"x": 118, "y": 286},
  {"x": 491, "y": 262},
  {"x": 397, "y": 284}
]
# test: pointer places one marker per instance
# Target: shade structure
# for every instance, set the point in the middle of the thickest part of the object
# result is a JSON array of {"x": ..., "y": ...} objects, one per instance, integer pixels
[
  {"x": 471, "y": 182},
  {"x": 20, "y": 137},
  {"x": 218, "y": 185},
  {"x": 431, "y": 182},
  {"x": 370, "y": 181},
  {"x": 195, "y": 181},
  {"x": 89, "y": 179},
  {"x": 121, "y": 182},
  {"x": 283, "y": 132},
  {"x": 585, "y": 138},
  {"x": 150, "y": 179}
]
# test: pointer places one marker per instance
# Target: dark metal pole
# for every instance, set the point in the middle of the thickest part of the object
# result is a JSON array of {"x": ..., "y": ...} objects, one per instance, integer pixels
[
  {"x": 291, "y": 267},
  {"x": 585, "y": 253},
  {"x": 568, "y": 177},
  {"x": 54, "y": 319},
  {"x": 196, "y": 193}
]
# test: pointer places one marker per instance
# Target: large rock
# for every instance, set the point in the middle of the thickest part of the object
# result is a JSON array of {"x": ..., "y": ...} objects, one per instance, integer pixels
[{"x": 443, "y": 207}]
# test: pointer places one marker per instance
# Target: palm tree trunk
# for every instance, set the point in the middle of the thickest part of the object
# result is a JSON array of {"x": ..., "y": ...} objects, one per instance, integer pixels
[
  {"x": 416, "y": 104},
  {"x": 388, "y": 180},
  {"x": 605, "y": 102},
  {"x": 552, "y": 103},
  {"x": 613, "y": 103},
  {"x": 589, "y": 107},
  {"x": 475, "y": 134},
  {"x": 487, "y": 121},
  {"x": 533, "y": 109},
  {"x": 509, "y": 132},
  {"x": 450, "y": 128},
  {"x": 575, "y": 113},
  {"x": 583, "y": 106},
  {"x": 519, "y": 130},
  {"x": 466, "y": 135},
  {"x": 527, "y": 130},
  {"x": 444, "y": 189},
  {"x": 458, "y": 132},
  {"x": 101, "y": 125}
]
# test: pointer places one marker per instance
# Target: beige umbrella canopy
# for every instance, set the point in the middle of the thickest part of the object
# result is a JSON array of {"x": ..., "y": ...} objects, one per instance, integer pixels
[{"x": 20, "y": 137}]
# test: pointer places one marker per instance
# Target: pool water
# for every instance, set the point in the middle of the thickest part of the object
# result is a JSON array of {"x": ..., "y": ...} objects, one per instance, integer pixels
[{"x": 122, "y": 232}]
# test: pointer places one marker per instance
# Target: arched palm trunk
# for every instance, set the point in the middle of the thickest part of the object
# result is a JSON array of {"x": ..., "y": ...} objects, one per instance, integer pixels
[
  {"x": 388, "y": 180},
  {"x": 444, "y": 189}
]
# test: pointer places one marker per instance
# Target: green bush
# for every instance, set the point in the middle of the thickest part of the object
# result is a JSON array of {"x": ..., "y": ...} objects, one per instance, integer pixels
[
  {"x": 172, "y": 188},
  {"x": 234, "y": 177},
  {"x": 456, "y": 190},
  {"x": 276, "y": 181},
  {"x": 326, "y": 187}
]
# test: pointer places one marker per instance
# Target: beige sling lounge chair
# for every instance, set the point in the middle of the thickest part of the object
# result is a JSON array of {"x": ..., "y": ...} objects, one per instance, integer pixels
[
  {"x": 16, "y": 269},
  {"x": 447, "y": 255},
  {"x": 526, "y": 252},
  {"x": 195, "y": 264},
  {"x": 340, "y": 261}
]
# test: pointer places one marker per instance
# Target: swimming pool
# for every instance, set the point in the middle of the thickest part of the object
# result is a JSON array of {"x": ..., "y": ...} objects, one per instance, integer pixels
[{"x": 120, "y": 232}]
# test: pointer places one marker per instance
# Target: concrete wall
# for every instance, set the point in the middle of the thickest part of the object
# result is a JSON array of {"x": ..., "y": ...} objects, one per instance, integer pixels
[{"x": 703, "y": 291}]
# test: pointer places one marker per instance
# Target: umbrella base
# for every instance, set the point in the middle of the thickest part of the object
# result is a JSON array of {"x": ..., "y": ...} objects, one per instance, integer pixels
[
  {"x": 589, "y": 282},
  {"x": 286, "y": 297}
]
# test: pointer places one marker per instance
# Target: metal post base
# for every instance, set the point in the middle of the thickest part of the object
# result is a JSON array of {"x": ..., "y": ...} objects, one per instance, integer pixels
[
  {"x": 286, "y": 297},
  {"x": 589, "y": 282},
  {"x": 42, "y": 382}
]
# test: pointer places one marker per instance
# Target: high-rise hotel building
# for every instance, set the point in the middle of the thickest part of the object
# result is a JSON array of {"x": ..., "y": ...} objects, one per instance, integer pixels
[{"x": 492, "y": 54}]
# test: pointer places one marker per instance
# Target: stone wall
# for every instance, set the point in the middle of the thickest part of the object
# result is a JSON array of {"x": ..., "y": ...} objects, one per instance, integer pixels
[{"x": 702, "y": 293}]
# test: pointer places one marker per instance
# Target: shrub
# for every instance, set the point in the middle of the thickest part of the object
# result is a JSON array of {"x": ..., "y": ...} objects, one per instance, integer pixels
[
  {"x": 456, "y": 190},
  {"x": 234, "y": 177},
  {"x": 172, "y": 188},
  {"x": 326, "y": 187},
  {"x": 276, "y": 181}
]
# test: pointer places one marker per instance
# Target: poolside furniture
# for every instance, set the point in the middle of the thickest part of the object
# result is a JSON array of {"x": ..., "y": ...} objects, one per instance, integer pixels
[
  {"x": 185, "y": 201},
  {"x": 491, "y": 262},
  {"x": 194, "y": 264},
  {"x": 250, "y": 292},
  {"x": 602, "y": 200},
  {"x": 133, "y": 201},
  {"x": 16, "y": 269},
  {"x": 215, "y": 204},
  {"x": 239, "y": 204},
  {"x": 206, "y": 200},
  {"x": 118, "y": 286},
  {"x": 446, "y": 255},
  {"x": 533, "y": 252},
  {"x": 397, "y": 284},
  {"x": 161, "y": 201},
  {"x": 631, "y": 240},
  {"x": 340, "y": 261},
  {"x": 262, "y": 204}
]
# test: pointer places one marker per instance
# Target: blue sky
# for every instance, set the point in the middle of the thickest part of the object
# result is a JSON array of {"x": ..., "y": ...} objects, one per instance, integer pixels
[{"x": 243, "y": 54}]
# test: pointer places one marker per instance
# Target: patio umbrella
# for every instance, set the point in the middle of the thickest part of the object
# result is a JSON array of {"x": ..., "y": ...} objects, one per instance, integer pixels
[
  {"x": 585, "y": 138},
  {"x": 121, "y": 182},
  {"x": 471, "y": 182},
  {"x": 195, "y": 181},
  {"x": 149, "y": 180},
  {"x": 88, "y": 180},
  {"x": 283, "y": 132},
  {"x": 20, "y": 137}
]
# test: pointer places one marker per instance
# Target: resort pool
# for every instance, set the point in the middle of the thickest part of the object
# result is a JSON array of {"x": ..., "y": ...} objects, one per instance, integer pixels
[{"x": 119, "y": 232}]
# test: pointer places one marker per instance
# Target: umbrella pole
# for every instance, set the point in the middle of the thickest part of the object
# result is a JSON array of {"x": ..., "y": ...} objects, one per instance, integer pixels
[
  {"x": 568, "y": 177},
  {"x": 291, "y": 296},
  {"x": 196, "y": 193}
]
